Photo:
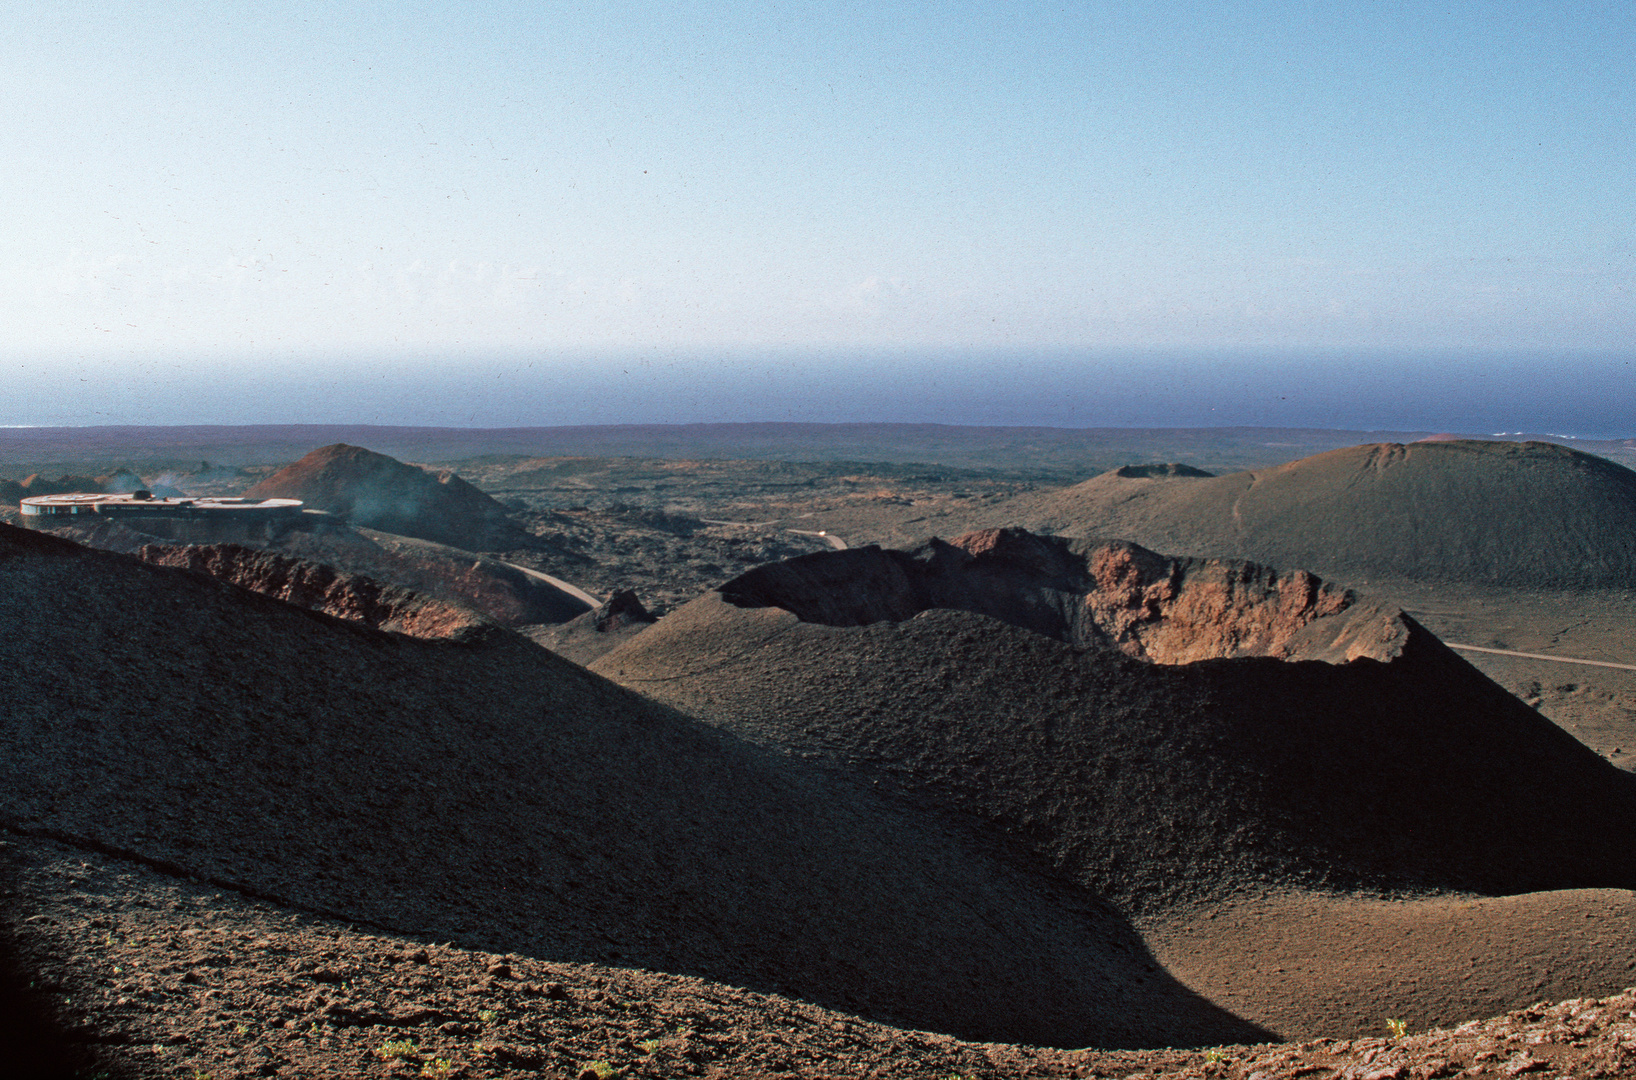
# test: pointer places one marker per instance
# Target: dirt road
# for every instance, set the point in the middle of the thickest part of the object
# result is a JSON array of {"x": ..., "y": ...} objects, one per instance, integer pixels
[{"x": 1542, "y": 656}]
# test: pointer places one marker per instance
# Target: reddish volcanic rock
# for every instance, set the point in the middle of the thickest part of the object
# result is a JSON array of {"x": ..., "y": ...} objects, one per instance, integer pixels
[
  {"x": 1083, "y": 592},
  {"x": 322, "y": 588},
  {"x": 1166, "y": 611}
]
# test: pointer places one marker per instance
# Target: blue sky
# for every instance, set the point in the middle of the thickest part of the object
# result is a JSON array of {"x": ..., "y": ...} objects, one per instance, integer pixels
[{"x": 233, "y": 188}]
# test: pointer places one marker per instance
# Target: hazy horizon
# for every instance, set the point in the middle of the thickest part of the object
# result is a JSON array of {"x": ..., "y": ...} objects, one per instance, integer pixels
[
  {"x": 505, "y": 212},
  {"x": 1585, "y": 396}
]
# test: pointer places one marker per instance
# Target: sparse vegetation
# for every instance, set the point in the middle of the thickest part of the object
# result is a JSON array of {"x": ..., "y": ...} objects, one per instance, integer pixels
[
  {"x": 601, "y": 1069},
  {"x": 398, "y": 1050},
  {"x": 1399, "y": 1028}
]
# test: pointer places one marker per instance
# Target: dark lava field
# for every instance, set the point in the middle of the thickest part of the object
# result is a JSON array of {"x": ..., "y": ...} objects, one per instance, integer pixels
[{"x": 921, "y": 753}]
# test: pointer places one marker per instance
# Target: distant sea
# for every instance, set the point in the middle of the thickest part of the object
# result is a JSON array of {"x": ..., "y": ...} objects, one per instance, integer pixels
[{"x": 1572, "y": 394}]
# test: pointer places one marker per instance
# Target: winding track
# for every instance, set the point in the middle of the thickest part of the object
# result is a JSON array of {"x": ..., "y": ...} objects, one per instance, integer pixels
[
  {"x": 834, "y": 541},
  {"x": 572, "y": 590},
  {"x": 1542, "y": 656}
]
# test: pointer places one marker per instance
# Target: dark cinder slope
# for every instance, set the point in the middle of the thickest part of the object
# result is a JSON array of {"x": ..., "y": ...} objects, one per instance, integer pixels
[
  {"x": 1516, "y": 514},
  {"x": 1073, "y": 700},
  {"x": 603, "y": 628},
  {"x": 489, "y": 793},
  {"x": 380, "y": 492}
]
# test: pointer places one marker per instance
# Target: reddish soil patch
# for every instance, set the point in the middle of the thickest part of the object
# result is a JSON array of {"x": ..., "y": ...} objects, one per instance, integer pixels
[{"x": 1307, "y": 965}]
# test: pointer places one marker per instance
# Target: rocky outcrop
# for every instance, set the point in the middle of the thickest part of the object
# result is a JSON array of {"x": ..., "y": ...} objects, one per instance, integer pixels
[
  {"x": 1173, "y": 468},
  {"x": 621, "y": 611},
  {"x": 1088, "y": 593},
  {"x": 322, "y": 588}
]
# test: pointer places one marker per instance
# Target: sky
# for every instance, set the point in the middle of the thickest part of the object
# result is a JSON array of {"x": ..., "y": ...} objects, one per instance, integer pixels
[{"x": 335, "y": 210}]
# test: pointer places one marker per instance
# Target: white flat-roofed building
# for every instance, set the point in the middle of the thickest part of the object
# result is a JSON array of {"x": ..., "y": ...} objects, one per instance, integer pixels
[{"x": 144, "y": 505}]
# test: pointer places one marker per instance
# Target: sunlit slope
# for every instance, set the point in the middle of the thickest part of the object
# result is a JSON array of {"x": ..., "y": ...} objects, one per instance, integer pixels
[{"x": 1519, "y": 514}]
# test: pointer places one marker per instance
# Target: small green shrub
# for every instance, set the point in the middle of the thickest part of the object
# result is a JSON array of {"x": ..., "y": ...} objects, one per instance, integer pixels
[
  {"x": 397, "y": 1050},
  {"x": 1399, "y": 1028}
]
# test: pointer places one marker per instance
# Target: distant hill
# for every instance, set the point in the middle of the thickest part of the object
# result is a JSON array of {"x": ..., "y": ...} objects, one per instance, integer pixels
[
  {"x": 380, "y": 492},
  {"x": 1503, "y": 513},
  {"x": 1034, "y": 451},
  {"x": 122, "y": 480}
]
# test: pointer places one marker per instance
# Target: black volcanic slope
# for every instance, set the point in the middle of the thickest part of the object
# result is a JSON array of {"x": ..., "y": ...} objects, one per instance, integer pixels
[
  {"x": 489, "y": 793},
  {"x": 1519, "y": 514},
  {"x": 1066, "y": 692}
]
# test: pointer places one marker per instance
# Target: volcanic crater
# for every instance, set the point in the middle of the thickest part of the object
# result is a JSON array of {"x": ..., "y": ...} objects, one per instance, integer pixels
[{"x": 1167, "y": 733}]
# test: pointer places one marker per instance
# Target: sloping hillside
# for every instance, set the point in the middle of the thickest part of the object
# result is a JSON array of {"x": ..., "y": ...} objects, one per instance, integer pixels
[
  {"x": 1519, "y": 514},
  {"x": 491, "y": 794}
]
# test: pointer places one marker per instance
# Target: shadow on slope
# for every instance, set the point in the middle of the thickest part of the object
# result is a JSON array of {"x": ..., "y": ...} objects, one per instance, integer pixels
[
  {"x": 33, "y": 1044},
  {"x": 1385, "y": 762},
  {"x": 489, "y": 793},
  {"x": 1519, "y": 514}
]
